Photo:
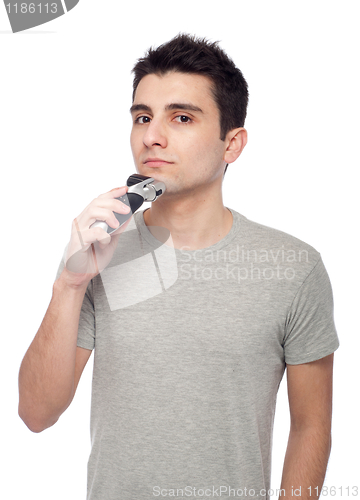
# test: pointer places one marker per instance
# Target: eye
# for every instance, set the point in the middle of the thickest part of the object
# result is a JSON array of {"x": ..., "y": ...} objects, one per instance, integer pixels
[
  {"x": 183, "y": 119},
  {"x": 142, "y": 120}
]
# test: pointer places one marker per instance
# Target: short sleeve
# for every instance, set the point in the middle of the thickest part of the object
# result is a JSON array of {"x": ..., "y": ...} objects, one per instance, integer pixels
[
  {"x": 310, "y": 332},
  {"x": 86, "y": 331}
]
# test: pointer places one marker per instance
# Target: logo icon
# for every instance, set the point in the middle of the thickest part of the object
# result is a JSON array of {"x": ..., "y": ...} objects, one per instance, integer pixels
[
  {"x": 140, "y": 270},
  {"x": 25, "y": 14}
]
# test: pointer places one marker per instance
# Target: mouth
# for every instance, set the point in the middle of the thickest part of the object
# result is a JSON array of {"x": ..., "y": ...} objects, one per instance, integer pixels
[{"x": 156, "y": 162}]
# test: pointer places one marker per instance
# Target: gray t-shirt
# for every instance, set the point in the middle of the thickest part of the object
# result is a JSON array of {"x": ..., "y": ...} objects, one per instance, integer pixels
[{"x": 190, "y": 349}]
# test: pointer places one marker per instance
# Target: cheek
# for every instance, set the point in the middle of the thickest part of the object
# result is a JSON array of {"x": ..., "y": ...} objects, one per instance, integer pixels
[
  {"x": 198, "y": 145},
  {"x": 208, "y": 152}
]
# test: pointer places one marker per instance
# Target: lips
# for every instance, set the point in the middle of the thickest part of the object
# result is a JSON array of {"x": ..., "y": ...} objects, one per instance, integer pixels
[{"x": 156, "y": 162}]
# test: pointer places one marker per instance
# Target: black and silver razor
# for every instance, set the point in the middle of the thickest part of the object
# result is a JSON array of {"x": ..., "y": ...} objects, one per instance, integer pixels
[{"x": 141, "y": 188}]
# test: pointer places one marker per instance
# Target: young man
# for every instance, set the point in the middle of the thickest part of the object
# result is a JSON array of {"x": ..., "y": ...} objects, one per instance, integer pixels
[{"x": 187, "y": 369}]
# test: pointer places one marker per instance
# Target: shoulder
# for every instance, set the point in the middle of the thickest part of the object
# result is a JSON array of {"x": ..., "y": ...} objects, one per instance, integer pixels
[
  {"x": 256, "y": 235},
  {"x": 274, "y": 248}
]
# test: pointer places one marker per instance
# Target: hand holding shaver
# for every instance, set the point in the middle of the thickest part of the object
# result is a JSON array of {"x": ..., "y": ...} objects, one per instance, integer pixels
[
  {"x": 141, "y": 189},
  {"x": 91, "y": 247}
]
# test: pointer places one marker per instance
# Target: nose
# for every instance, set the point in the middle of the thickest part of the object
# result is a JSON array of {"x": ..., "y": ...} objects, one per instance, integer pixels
[{"x": 155, "y": 134}]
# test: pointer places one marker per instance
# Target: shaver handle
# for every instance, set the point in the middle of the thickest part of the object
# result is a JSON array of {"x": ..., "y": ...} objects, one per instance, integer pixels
[{"x": 132, "y": 200}]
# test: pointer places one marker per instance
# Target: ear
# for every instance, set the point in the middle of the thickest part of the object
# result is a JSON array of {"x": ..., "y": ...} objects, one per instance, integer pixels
[{"x": 236, "y": 140}]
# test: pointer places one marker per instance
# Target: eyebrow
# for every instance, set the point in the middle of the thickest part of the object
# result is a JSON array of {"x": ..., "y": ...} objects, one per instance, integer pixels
[{"x": 168, "y": 107}]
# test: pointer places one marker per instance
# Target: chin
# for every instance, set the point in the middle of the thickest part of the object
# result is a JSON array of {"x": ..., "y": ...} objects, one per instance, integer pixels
[
  {"x": 150, "y": 171},
  {"x": 155, "y": 172}
]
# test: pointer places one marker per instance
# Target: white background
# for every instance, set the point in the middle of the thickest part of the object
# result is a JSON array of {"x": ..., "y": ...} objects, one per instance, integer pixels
[{"x": 64, "y": 129}]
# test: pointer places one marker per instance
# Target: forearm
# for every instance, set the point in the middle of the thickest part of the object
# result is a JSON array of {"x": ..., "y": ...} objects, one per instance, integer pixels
[
  {"x": 46, "y": 376},
  {"x": 305, "y": 463}
]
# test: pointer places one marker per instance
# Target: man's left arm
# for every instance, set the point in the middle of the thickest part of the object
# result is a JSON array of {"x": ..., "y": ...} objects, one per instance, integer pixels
[{"x": 308, "y": 449}]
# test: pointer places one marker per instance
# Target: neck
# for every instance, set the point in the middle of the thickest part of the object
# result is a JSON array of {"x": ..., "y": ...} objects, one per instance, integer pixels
[{"x": 194, "y": 223}]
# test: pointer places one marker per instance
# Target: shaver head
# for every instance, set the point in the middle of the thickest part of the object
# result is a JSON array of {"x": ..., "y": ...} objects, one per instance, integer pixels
[{"x": 147, "y": 187}]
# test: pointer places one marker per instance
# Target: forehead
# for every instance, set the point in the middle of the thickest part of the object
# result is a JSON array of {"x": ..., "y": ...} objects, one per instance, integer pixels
[{"x": 161, "y": 90}]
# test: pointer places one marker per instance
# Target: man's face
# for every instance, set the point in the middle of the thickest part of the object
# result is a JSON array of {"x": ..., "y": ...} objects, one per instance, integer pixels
[{"x": 175, "y": 136}]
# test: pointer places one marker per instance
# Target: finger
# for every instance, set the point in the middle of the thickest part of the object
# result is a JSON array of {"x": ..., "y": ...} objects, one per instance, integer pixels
[
  {"x": 101, "y": 236},
  {"x": 103, "y": 243},
  {"x": 89, "y": 236},
  {"x": 115, "y": 193},
  {"x": 117, "y": 205},
  {"x": 121, "y": 228},
  {"x": 104, "y": 201},
  {"x": 100, "y": 214}
]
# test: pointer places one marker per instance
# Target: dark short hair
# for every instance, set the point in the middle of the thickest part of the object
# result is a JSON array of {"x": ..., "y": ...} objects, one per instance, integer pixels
[{"x": 188, "y": 54}]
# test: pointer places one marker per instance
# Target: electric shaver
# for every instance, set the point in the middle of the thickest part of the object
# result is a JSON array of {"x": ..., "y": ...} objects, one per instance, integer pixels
[{"x": 141, "y": 188}]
